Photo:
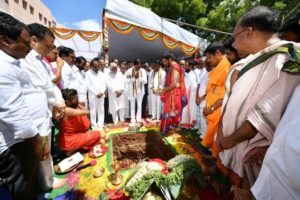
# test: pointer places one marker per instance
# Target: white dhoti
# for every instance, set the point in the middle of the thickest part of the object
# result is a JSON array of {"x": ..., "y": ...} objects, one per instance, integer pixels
[
  {"x": 156, "y": 106},
  {"x": 96, "y": 111},
  {"x": 138, "y": 116},
  {"x": 45, "y": 169},
  {"x": 203, "y": 123}
]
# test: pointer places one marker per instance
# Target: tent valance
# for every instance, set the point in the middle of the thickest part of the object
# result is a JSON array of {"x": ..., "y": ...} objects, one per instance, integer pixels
[
  {"x": 66, "y": 34},
  {"x": 150, "y": 35},
  {"x": 85, "y": 43}
]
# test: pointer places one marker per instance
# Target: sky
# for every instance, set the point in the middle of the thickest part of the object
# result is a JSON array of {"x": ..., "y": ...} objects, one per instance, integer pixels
[{"x": 77, "y": 14}]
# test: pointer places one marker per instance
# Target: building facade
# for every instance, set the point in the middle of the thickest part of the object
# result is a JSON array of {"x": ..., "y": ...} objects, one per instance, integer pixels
[{"x": 29, "y": 11}]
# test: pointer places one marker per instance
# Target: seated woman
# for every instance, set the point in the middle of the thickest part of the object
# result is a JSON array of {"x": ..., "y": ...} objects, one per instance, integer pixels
[{"x": 74, "y": 127}]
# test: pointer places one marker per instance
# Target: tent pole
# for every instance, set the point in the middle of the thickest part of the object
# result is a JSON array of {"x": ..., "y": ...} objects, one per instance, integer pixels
[{"x": 105, "y": 42}]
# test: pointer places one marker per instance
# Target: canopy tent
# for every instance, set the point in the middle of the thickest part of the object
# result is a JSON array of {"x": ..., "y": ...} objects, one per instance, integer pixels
[
  {"x": 131, "y": 31},
  {"x": 85, "y": 43}
]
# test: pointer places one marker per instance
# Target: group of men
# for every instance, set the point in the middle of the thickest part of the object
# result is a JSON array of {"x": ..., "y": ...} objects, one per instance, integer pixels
[
  {"x": 244, "y": 109},
  {"x": 124, "y": 86},
  {"x": 245, "y": 102},
  {"x": 248, "y": 107}
]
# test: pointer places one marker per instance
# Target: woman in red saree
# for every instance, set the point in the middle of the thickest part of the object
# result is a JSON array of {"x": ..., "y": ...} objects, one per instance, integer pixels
[
  {"x": 74, "y": 127},
  {"x": 174, "y": 95}
]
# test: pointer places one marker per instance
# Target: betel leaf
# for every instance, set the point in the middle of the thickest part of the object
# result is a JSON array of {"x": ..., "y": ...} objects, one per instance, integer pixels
[
  {"x": 146, "y": 189},
  {"x": 164, "y": 190}
]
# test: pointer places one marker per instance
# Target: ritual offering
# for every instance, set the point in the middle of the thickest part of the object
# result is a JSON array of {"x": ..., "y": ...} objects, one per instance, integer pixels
[
  {"x": 98, "y": 151},
  {"x": 132, "y": 127},
  {"x": 68, "y": 164},
  {"x": 98, "y": 172},
  {"x": 116, "y": 178},
  {"x": 167, "y": 180}
]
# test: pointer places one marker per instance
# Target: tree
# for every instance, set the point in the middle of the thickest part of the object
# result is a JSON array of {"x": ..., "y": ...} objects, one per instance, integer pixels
[{"x": 215, "y": 14}]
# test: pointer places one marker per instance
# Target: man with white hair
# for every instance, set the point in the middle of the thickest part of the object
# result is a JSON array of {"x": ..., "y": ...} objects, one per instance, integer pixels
[{"x": 117, "y": 100}]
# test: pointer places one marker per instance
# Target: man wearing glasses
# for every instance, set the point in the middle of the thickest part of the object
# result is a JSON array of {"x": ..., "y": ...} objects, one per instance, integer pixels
[{"x": 258, "y": 89}]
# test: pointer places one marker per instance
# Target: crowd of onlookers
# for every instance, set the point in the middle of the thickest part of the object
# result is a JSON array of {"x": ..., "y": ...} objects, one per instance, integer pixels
[{"x": 239, "y": 99}]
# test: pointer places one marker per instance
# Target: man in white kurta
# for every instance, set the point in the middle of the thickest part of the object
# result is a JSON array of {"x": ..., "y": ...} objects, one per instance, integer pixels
[
  {"x": 149, "y": 70},
  {"x": 189, "y": 112},
  {"x": 96, "y": 81},
  {"x": 116, "y": 98},
  {"x": 137, "y": 78},
  {"x": 122, "y": 69},
  {"x": 40, "y": 76},
  {"x": 156, "y": 83},
  {"x": 71, "y": 76},
  {"x": 203, "y": 80}
]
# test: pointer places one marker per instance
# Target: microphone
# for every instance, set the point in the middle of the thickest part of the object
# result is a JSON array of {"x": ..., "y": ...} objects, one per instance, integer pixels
[{"x": 92, "y": 163}]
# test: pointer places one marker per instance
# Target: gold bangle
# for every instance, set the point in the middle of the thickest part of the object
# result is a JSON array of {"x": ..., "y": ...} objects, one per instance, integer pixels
[{"x": 212, "y": 108}]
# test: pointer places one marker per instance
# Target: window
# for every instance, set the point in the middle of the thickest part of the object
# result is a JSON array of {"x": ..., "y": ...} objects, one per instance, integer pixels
[
  {"x": 16, "y": 1},
  {"x": 6, "y": 1},
  {"x": 53, "y": 24},
  {"x": 31, "y": 10},
  {"x": 49, "y": 23},
  {"x": 45, "y": 21},
  {"x": 24, "y": 4},
  {"x": 40, "y": 16}
]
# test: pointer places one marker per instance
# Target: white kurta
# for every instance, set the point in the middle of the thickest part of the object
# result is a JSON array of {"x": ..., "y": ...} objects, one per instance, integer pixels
[
  {"x": 136, "y": 91},
  {"x": 189, "y": 111},
  {"x": 156, "y": 81},
  {"x": 203, "y": 79},
  {"x": 150, "y": 93},
  {"x": 279, "y": 177},
  {"x": 115, "y": 82},
  {"x": 125, "y": 94},
  {"x": 96, "y": 84}
]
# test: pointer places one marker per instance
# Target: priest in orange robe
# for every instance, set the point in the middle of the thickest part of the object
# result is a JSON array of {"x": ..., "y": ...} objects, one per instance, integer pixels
[{"x": 215, "y": 91}]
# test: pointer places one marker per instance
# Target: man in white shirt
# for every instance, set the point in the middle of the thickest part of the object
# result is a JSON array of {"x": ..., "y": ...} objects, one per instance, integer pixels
[
  {"x": 42, "y": 40},
  {"x": 200, "y": 100},
  {"x": 80, "y": 63},
  {"x": 148, "y": 100},
  {"x": 56, "y": 64},
  {"x": 116, "y": 86},
  {"x": 96, "y": 82},
  {"x": 157, "y": 83},
  {"x": 20, "y": 144},
  {"x": 189, "y": 112},
  {"x": 125, "y": 92},
  {"x": 137, "y": 78},
  {"x": 71, "y": 77}
]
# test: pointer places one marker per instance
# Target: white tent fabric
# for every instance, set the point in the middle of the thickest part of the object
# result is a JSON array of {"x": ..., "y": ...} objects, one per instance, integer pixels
[
  {"x": 131, "y": 46},
  {"x": 82, "y": 47}
]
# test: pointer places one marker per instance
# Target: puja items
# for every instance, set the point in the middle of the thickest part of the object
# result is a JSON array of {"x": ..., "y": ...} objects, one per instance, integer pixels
[
  {"x": 98, "y": 151},
  {"x": 115, "y": 178},
  {"x": 68, "y": 164}
]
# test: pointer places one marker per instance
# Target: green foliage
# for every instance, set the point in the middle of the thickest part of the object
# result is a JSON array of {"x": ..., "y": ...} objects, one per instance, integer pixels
[
  {"x": 215, "y": 14},
  {"x": 175, "y": 178}
]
